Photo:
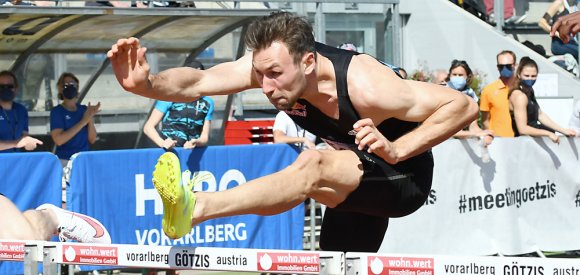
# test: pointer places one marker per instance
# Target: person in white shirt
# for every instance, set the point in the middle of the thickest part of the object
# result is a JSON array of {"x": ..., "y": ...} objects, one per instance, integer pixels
[{"x": 286, "y": 131}]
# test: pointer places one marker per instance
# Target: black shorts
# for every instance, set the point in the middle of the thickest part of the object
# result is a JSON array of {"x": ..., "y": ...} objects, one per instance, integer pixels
[
  {"x": 390, "y": 190},
  {"x": 359, "y": 223}
]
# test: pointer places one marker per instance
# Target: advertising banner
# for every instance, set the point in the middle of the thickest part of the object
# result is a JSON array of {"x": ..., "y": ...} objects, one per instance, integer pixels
[
  {"x": 116, "y": 188},
  {"x": 28, "y": 179},
  {"x": 525, "y": 198}
]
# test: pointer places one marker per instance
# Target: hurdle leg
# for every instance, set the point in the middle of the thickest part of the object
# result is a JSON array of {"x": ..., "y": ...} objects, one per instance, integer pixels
[
  {"x": 30, "y": 263},
  {"x": 49, "y": 265}
]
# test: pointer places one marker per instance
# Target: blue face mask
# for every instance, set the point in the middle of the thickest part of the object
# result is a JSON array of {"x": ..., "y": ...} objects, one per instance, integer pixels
[
  {"x": 529, "y": 82},
  {"x": 506, "y": 73},
  {"x": 7, "y": 94},
  {"x": 457, "y": 82},
  {"x": 69, "y": 91}
]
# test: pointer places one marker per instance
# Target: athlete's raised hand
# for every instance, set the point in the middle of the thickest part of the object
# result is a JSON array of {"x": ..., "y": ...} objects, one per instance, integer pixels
[
  {"x": 370, "y": 139},
  {"x": 130, "y": 65},
  {"x": 566, "y": 26}
]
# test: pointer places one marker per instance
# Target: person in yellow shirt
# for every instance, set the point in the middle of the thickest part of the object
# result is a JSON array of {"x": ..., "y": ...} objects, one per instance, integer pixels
[{"x": 494, "y": 103}]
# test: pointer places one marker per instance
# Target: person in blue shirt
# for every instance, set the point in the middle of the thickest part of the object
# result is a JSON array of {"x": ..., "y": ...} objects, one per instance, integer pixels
[
  {"x": 13, "y": 118},
  {"x": 71, "y": 124},
  {"x": 184, "y": 125}
]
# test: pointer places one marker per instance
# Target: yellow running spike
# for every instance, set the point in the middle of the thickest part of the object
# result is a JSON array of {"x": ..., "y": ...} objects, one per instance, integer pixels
[{"x": 176, "y": 194}]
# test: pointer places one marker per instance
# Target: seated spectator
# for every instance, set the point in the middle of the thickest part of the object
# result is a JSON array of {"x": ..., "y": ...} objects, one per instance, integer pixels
[
  {"x": 184, "y": 125},
  {"x": 286, "y": 131},
  {"x": 574, "y": 123},
  {"x": 16, "y": 3},
  {"x": 459, "y": 78},
  {"x": 508, "y": 9},
  {"x": 527, "y": 117},
  {"x": 557, "y": 9},
  {"x": 13, "y": 118},
  {"x": 438, "y": 77},
  {"x": 48, "y": 220},
  {"x": 71, "y": 124}
]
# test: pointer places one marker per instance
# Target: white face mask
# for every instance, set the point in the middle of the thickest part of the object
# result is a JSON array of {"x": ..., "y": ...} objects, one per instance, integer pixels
[{"x": 457, "y": 82}]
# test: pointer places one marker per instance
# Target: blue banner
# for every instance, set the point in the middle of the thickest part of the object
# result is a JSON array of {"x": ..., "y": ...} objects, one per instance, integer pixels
[
  {"x": 116, "y": 188},
  {"x": 29, "y": 180}
]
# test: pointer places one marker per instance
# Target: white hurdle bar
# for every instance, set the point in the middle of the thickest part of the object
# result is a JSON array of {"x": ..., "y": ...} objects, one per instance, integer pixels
[
  {"x": 388, "y": 264},
  {"x": 52, "y": 254}
]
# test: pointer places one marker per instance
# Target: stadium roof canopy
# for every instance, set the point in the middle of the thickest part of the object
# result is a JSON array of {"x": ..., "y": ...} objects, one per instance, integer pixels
[{"x": 28, "y": 30}]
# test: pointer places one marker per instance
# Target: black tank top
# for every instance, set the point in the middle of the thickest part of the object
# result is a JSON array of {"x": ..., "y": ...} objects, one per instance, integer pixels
[
  {"x": 533, "y": 112},
  {"x": 336, "y": 132}
]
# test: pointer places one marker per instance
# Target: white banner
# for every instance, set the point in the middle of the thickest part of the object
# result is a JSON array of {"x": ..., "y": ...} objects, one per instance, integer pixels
[
  {"x": 377, "y": 264},
  {"x": 525, "y": 198}
]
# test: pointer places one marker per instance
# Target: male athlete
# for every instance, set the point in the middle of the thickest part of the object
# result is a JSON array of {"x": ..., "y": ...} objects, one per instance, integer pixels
[{"x": 382, "y": 125}]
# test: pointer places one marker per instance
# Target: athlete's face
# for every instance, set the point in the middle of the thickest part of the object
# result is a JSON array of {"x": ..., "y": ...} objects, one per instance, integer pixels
[{"x": 282, "y": 81}]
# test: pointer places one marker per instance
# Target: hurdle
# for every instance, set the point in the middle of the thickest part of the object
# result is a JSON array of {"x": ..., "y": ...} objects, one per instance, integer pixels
[
  {"x": 53, "y": 254},
  {"x": 389, "y": 264}
]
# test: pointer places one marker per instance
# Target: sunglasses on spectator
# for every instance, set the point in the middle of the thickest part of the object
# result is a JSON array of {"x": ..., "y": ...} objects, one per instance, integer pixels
[
  {"x": 6, "y": 86},
  {"x": 501, "y": 66}
]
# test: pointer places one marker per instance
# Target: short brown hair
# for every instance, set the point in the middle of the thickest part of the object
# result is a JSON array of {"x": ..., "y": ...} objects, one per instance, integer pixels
[
  {"x": 9, "y": 73},
  {"x": 292, "y": 30},
  {"x": 506, "y": 52}
]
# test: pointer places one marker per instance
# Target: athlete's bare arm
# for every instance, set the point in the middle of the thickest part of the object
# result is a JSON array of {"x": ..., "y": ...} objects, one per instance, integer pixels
[
  {"x": 379, "y": 94},
  {"x": 177, "y": 84}
]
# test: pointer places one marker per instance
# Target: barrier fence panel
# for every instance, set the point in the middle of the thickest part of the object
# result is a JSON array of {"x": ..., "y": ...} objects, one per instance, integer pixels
[
  {"x": 187, "y": 258},
  {"x": 29, "y": 180},
  {"x": 399, "y": 264},
  {"x": 525, "y": 198},
  {"x": 116, "y": 188}
]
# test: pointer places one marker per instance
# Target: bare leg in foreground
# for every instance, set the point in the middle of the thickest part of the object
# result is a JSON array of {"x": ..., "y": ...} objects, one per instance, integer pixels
[{"x": 326, "y": 176}]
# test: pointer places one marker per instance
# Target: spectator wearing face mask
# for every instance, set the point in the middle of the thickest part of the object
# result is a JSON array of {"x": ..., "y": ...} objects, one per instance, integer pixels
[
  {"x": 493, "y": 104},
  {"x": 528, "y": 119},
  {"x": 459, "y": 78},
  {"x": 13, "y": 118},
  {"x": 71, "y": 124}
]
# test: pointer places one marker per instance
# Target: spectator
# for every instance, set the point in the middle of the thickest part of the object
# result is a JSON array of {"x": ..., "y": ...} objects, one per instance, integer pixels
[
  {"x": 71, "y": 124},
  {"x": 566, "y": 26},
  {"x": 439, "y": 77},
  {"x": 48, "y": 220},
  {"x": 494, "y": 104},
  {"x": 508, "y": 10},
  {"x": 556, "y": 10},
  {"x": 403, "y": 73},
  {"x": 527, "y": 117},
  {"x": 184, "y": 125},
  {"x": 460, "y": 77},
  {"x": 13, "y": 118},
  {"x": 286, "y": 131},
  {"x": 574, "y": 123}
]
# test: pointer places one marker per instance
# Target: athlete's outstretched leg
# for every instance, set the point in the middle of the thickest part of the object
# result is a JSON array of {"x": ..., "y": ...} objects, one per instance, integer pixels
[
  {"x": 326, "y": 176},
  {"x": 31, "y": 225}
]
